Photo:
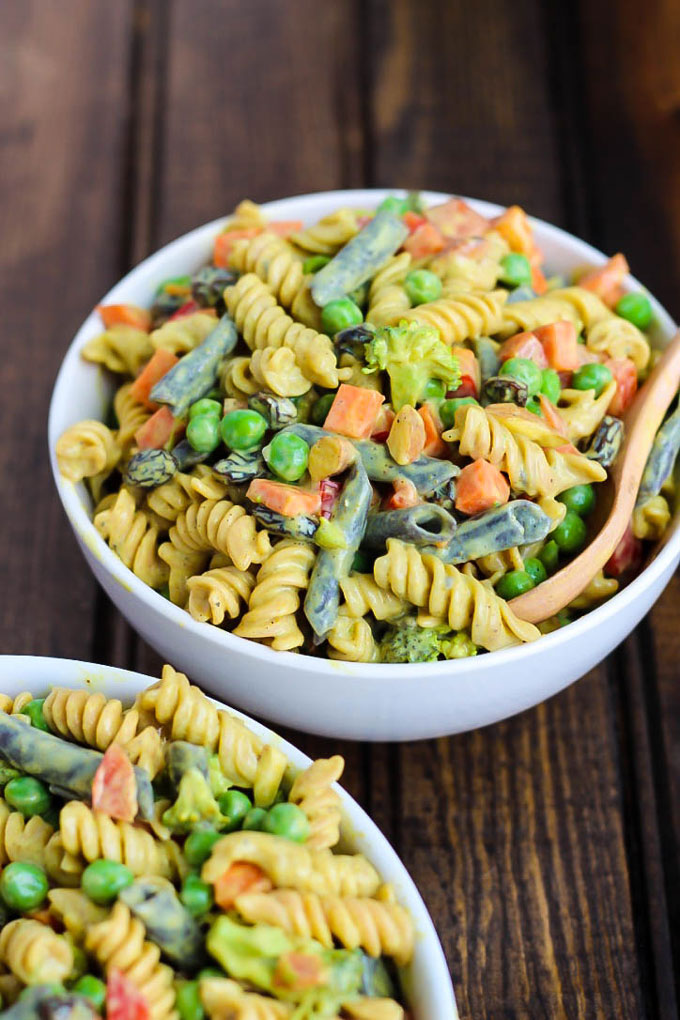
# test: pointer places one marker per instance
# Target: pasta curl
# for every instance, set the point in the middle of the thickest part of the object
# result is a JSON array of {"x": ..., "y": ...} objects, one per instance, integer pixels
[
  {"x": 16, "y": 705},
  {"x": 584, "y": 411},
  {"x": 330, "y": 234},
  {"x": 387, "y": 299},
  {"x": 122, "y": 349},
  {"x": 238, "y": 379},
  {"x": 224, "y": 999},
  {"x": 87, "y": 449},
  {"x": 179, "y": 336},
  {"x": 596, "y": 591},
  {"x": 618, "y": 338},
  {"x": 351, "y": 640},
  {"x": 313, "y": 792},
  {"x": 651, "y": 519},
  {"x": 275, "y": 598},
  {"x": 34, "y": 953},
  {"x": 130, "y": 414},
  {"x": 274, "y": 261},
  {"x": 363, "y": 595},
  {"x": 76, "y": 911},
  {"x": 92, "y": 834},
  {"x": 463, "y": 317},
  {"x": 22, "y": 839},
  {"x": 219, "y": 593},
  {"x": 133, "y": 538},
  {"x": 219, "y": 524}
]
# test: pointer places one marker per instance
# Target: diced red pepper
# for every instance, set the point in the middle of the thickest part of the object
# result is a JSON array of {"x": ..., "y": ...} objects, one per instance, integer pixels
[
  {"x": 225, "y": 242},
  {"x": 457, "y": 219},
  {"x": 523, "y": 345},
  {"x": 467, "y": 388},
  {"x": 468, "y": 365},
  {"x": 159, "y": 430},
  {"x": 329, "y": 490},
  {"x": 560, "y": 345},
  {"x": 239, "y": 878},
  {"x": 158, "y": 365},
  {"x": 188, "y": 308},
  {"x": 625, "y": 374},
  {"x": 425, "y": 240},
  {"x": 627, "y": 555},
  {"x": 125, "y": 315},
  {"x": 114, "y": 787},
  {"x": 123, "y": 1000},
  {"x": 413, "y": 220}
]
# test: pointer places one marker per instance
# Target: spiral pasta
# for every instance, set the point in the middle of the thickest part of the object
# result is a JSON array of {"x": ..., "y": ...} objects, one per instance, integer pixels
[
  {"x": 171, "y": 498},
  {"x": 330, "y": 234},
  {"x": 597, "y": 590},
  {"x": 179, "y": 336},
  {"x": 76, "y": 911},
  {"x": 276, "y": 596},
  {"x": 463, "y": 317},
  {"x": 219, "y": 593},
  {"x": 34, "y": 953},
  {"x": 618, "y": 338},
  {"x": 22, "y": 839},
  {"x": 63, "y": 868},
  {"x": 130, "y": 414},
  {"x": 363, "y": 595},
  {"x": 119, "y": 943},
  {"x": 246, "y": 216},
  {"x": 466, "y": 272},
  {"x": 276, "y": 369},
  {"x": 312, "y": 791},
  {"x": 15, "y": 705},
  {"x": 238, "y": 379},
  {"x": 133, "y": 538},
  {"x": 387, "y": 299},
  {"x": 274, "y": 261},
  {"x": 495, "y": 565},
  {"x": 92, "y": 834},
  {"x": 224, "y": 999},
  {"x": 351, "y": 639},
  {"x": 582, "y": 411},
  {"x": 122, "y": 349},
  {"x": 222, "y": 526},
  {"x": 87, "y": 449}
]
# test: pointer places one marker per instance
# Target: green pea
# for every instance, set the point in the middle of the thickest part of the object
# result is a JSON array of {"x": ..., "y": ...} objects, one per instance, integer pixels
[
  {"x": 235, "y": 805},
  {"x": 287, "y": 820},
  {"x": 447, "y": 409},
  {"x": 196, "y": 895},
  {"x": 80, "y": 963},
  {"x": 580, "y": 499},
  {"x": 188, "y": 1001},
  {"x": 205, "y": 406},
  {"x": 103, "y": 880},
  {"x": 435, "y": 389},
  {"x": 243, "y": 429},
  {"x": 203, "y": 432},
  {"x": 320, "y": 408},
  {"x": 23, "y": 886},
  {"x": 637, "y": 308},
  {"x": 421, "y": 286},
  {"x": 514, "y": 583},
  {"x": 314, "y": 263},
  {"x": 535, "y": 570},
  {"x": 34, "y": 711},
  {"x": 340, "y": 314},
  {"x": 592, "y": 377},
  {"x": 549, "y": 555},
  {"x": 524, "y": 370},
  {"x": 255, "y": 819},
  {"x": 93, "y": 989},
  {"x": 198, "y": 846},
  {"x": 395, "y": 205},
  {"x": 287, "y": 455},
  {"x": 551, "y": 387},
  {"x": 570, "y": 535},
  {"x": 534, "y": 406},
  {"x": 28, "y": 795},
  {"x": 516, "y": 270}
]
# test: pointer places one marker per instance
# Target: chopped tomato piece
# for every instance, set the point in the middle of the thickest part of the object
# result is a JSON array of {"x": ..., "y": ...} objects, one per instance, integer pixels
[
  {"x": 383, "y": 424},
  {"x": 123, "y": 1000},
  {"x": 125, "y": 315},
  {"x": 188, "y": 308},
  {"x": 284, "y": 228},
  {"x": 467, "y": 388},
  {"x": 354, "y": 411},
  {"x": 425, "y": 240},
  {"x": 523, "y": 345},
  {"x": 457, "y": 219},
  {"x": 159, "y": 365},
  {"x": 413, "y": 220},
  {"x": 285, "y": 499},
  {"x": 160, "y": 429},
  {"x": 469, "y": 366},
  {"x": 479, "y": 487},
  {"x": 552, "y": 416},
  {"x": 405, "y": 495},
  {"x": 607, "y": 280},
  {"x": 434, "y": 444},
  {"x": 626, "y": 556},
  {"x": 560, "y": 345},
  {"x": 329, "y": 490},
  {"x": 538, "y": 280},
  {"x": 114, "y": 787},
  {"x": 297, "y": 971},
  {"x": 239, "y": 878},
  {"x": 514, "y": 226},
  {"x": 625, "y": 374},
  {"x": 225, "y": 242}
]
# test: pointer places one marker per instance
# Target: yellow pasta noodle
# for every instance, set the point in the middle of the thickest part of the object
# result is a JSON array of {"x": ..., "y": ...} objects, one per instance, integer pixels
[
  {"x": 76, "y": 911},
  {"x": 363, "y": 595},
  {"x": 122, "y": 349},
  {"x": 238, "y": 379},
  {"x": 34, "y": 953},
  {"x": 312, "y": 790},
  {"x": 387, "y": 299},
  {"x": 224, "y": 999},
  {"x": 222, "y": 526},
  {"x": 330, "y": 234},
  {"x": 463, "y": 317},
  {"x": 22, "y": 839},
  {"x": 597, "y": 590},
  {"x": 179, "y": 336},
  {"x": 87, "y": 449},
  {"x": 651, "y": 518},
  {"x": 582, "y": 411},
  {"x": 130, "y": 413},
  {"x": 276, "y": 596},
  {"x": 274, "y": 261},
  {"x": 351, "y": 639},
  {"x": 219, "y": 593},
  {"x": 92, "y": 834},
  {"x": 133, "y": 538}
]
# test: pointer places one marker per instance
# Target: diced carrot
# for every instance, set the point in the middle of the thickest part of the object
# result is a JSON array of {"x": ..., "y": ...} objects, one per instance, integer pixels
[
  {"x": 354, "y": 411},
  {"x": 425, "y": 240},
  {"x": 560, "y": 345},
  {"x": 160, "y": 428},
  {"x": 514, "y": 226},
  {"x": 413, "y": 220},
  {"x": 607, "y": 280},
  {"x": 457, "y": 219},
  {"x": 297, "y": 971},
  {"x": 566, "y": 448},
  {"x": 383, "y": 424},
  {"x": 434, "y": 444},
  {"x": 538, "y": 280},
  {"x": 523, "y": 345},
  {"x": 552, "y": 416},
  {"x": 625, "y": 374},
  {"x": 626, "y": 556},
  {"x": 284, "y": 228},
  {"x": 285, "y": 499},
  {"x": 125, "y": 315},
  {"x": 467, "y": 388},
  {"x": 239, "y": 878},
  {"x": 159, "y": 365},
  {"x": 405, "y": 495},
  {"x": 469, "y": 366},
  {"x": 225, "y": 242},
  {"x": 479, "y": 487}
]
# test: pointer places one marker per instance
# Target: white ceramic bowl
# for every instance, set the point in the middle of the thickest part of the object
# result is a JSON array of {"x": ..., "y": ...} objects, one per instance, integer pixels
[
  {"x": 427, "y": 979},
  {"x": 356, "y": 700}
]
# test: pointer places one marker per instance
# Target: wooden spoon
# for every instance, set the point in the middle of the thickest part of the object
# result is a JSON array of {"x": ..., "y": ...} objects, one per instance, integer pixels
[{"x": 642, "y": 423}]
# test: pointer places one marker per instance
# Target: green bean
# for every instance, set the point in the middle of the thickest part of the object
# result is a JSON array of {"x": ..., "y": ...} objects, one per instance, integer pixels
[
  {"x": 486, "y": 352},
  {"x": 516, "y": 523},
  {"x": 182, "y": 756},
  {"x": 196, "y": 373},
  {"x": 424, "y": 524},
  {"x": 661, "y": 459},
  {"x": 360, "y": 258},
  {"x": 167, "y": 921}
]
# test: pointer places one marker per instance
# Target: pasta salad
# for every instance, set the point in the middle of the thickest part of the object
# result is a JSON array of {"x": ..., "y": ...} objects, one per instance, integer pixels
[{"x": 362, "y": 439}]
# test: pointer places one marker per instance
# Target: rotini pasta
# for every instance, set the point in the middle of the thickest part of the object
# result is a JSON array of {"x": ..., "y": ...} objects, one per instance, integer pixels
[
  {"x": 122, "y": 349},
  {"x": 179, "y": 336},
  {"x": 34, "y": 953},
  {"x": 223, "y": 526},
  {"x": 312, "y": 791},
  {"x": 351, "y": 639},
  {"x": 387, "y": 298},
  {"x": 276, "y": 596},
  {"x": 87, "y": 449},
  {"x": 91, "y": 835},
  {"x": 219, "y": 593},
  {"x": 463, "y": 317},
  {"x": 22, "y": 839},
  {"x": 130, "y": 414},
  {"x": 329, "y": 234},
  {"x": 133, "y": 538}
]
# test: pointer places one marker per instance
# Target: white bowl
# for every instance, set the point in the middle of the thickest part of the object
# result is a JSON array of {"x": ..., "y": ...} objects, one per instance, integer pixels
[
  {"x": 427, "y": 979},
  {"x": 355, "y": 700}
]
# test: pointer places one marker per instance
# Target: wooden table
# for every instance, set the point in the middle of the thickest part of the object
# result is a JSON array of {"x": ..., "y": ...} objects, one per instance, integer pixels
[{"x": 546, "y": 847}]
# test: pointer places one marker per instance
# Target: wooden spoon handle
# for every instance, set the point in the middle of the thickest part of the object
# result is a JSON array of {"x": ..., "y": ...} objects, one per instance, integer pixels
[{"x": 642, "y": 423}]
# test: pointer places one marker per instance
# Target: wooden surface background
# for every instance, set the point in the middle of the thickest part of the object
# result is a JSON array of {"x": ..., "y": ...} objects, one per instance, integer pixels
[{"x": 546, "y": 847}]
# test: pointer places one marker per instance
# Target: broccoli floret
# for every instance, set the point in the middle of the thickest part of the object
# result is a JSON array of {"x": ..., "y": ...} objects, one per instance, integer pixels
[
  {"x": 412, "y": 355},
  {"x": 460, "y": 646},
  {"x": 195, "y": 803},
  {"x": 411, "y": 643}
]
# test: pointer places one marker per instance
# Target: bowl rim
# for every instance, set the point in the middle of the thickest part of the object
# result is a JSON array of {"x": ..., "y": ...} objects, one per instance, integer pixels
[
  {"x": 353, "y": 674},
  {"x": 357, "y": 822}
]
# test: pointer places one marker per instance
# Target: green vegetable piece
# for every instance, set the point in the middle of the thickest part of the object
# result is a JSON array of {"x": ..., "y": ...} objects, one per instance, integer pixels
[
  {"x": 287, "y": 456},
  {"x": 186, "y": 456},
  {"x": 536, "y": 570},
  {"x": 394, "y": 205},
  {"x": 320, "y": 408},
  {"x": 289, "y": 821},
  {"x": 514, "y": 583},
  {"x": 459, "y": 647},
  {"x": 150, "y": 468},
  {"x": 534, "y": 406},
  {"x": 235, "y": 805},
  {"x": 340, "y": 314},
  {"x": 241, "y": 467},
  {"x": 197, "y": 371},
  {"x": 516, "y": 270},
  {"x": 7, "y": 773},
  {"x": 91, "y": 988},
  {"x": 435, "y": 389},
  {"x": 248, "y": 954},
  {"x": 551, "y": 387},
  {"x": 661, "y": 458},
  {"x": 196, "y": 895},
  {"x": 181, "y": 756},
  {"x": 502, "y": 389},
  {"x": 424, "y": 524},
  {"x": 210, "y": 972},
  {"x": 203, "y": 432},
  {"x": 23, "y": 886},
  {"x": 447, "y": 409},
  {"x": 363, "y": 562},
  {"x": 198, "y": 845},
  {"x": 570, "y": 535},
  {"x": 524, "y": 370},
  {"x": 195, "y": 804},
  {"x": 243, "y": 429},
  {"x": 28, "y": 795},
  {"x": 277, "y": 411},
  {"x": 103, "y": 880},
  {"x": 255, "y": 819},
  {"x": 413, "y": 355},
  {"x": 34, "y": 711},
  {"x": 637, "y": 308},
  {"x": 550, "y": 555},
  {"x": 207, "y": 285},
  {"x": 422, "y": 286},
  {"x": 181, "y": 283},
  {"x": 301, "y": 526},
  {"x": 360, "y": 258},
  {"x": 486, "y": 353},
  {"x": 592, "y": 377},
  {"x": 314, "y": 263},
  {"x": 219, "y": 783},
  {"x": 580, "y": 498},
  {"x": 205, "y": 406},
  {"x": 329, "y": 535},
  {"x": 167, "y": 921},
  {"x": 516, "y": 523},
  {"x": 188, "y": 1001},
  {"x": 410, "y": 643}
]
